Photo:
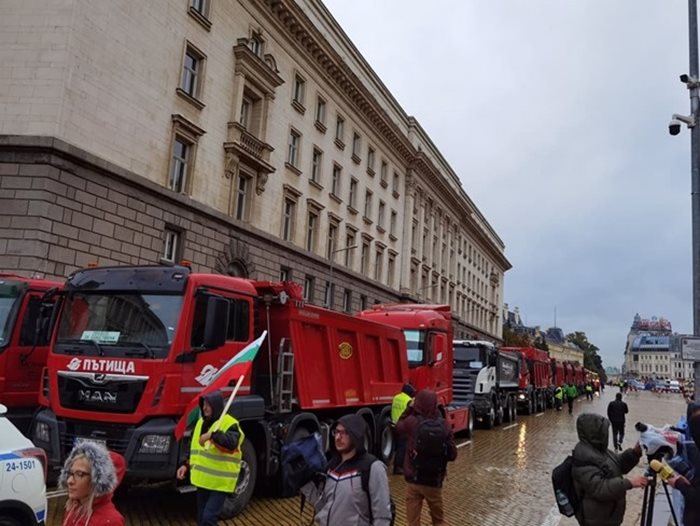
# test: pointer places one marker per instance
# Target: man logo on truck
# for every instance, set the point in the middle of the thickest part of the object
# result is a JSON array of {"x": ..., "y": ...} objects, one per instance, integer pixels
[{"x": 89, "y": 395}]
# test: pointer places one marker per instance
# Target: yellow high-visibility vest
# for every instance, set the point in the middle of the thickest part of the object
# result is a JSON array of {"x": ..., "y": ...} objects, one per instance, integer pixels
[
  {"x": 399, "y": 405},
  {"x": 211, "y": 468}
]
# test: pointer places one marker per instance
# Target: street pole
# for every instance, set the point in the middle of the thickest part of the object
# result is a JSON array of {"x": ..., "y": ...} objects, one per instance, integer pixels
[
  {"x": 695, "y": 171},
  {"x": 329, "y": 300}
]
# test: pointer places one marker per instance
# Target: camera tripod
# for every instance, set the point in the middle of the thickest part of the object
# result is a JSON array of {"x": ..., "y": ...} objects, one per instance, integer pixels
[{"x": 648, "y": 502}]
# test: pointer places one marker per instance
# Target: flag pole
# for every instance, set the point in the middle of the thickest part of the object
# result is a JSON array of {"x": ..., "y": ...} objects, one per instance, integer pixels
[{"x": 217, "y": 424}]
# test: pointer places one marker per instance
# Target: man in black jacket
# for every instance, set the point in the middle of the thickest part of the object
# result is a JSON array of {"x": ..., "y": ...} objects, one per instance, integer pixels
[
  {"x": 617, "y": 410},
  {"x": 690, "y": 489}
]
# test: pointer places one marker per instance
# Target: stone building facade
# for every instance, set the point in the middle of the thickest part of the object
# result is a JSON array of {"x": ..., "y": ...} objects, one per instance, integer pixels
[{"x": 250, "y": 138}]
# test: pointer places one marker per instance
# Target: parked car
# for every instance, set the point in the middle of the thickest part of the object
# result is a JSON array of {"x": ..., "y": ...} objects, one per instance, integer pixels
[
  {"x": 673, "y": 386},
  {"x": 22, "y": 477},
  {"x": 637, "y": 385}
]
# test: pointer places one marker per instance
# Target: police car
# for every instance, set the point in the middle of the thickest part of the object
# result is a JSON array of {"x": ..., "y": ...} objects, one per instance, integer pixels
[{"x": 22, "y": 477}]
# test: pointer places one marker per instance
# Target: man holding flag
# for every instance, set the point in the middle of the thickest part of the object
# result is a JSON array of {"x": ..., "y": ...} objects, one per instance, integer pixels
[{"x": 215, "y": 451}]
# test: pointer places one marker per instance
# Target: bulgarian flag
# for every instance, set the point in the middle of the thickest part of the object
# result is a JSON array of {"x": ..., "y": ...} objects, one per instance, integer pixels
[{"x": 239, "y": 365}]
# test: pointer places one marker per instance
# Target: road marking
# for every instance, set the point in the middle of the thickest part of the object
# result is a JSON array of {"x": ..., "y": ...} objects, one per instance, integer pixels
[
  {"x": 539, "y": 414},
  {"x": 56, "y": 494},
  {"x": 464, "y": 443},
  {"x": 552, "y": 518},
  {"x": 509, "y": 427}
]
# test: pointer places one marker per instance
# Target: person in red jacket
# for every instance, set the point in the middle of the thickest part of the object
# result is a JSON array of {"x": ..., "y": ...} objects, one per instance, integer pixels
[{"x": 91, "y": 474}]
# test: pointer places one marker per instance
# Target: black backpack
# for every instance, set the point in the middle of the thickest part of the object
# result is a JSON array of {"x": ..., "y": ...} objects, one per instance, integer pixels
[
  {"x": 365, "y": 467},
  {"x": 429, "y": 457},
  {"x": 564, "y": 491}
]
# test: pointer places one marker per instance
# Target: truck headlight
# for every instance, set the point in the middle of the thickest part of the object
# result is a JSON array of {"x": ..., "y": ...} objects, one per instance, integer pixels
[
  {"x": 521, "y": 396},
  {"x": 42, "y": 433},
  {"x": 155, "y": 444}
]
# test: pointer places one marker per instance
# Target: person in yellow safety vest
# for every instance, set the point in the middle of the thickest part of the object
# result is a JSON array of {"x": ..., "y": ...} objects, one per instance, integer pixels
[
  {"x": 589, "y": 391},
  {"x": 398, "y": 405},
  {"x": 558, "y": 397},
  {"x": 215, "y": 458}
]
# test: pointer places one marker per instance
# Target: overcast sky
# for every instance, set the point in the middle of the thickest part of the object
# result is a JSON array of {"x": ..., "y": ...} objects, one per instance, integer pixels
[{"x": 554, "y": 113}]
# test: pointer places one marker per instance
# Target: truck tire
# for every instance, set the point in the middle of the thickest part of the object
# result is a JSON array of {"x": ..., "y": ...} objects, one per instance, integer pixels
[
  {"x": 530, "y": 407},
  {"x": 6, "y": 520},
  {"x": 386, "y": 445},
  {"x": 507, "y": 414},
  {"x": 513, "y": 409},
  {"x": 236, "y": 502},
  {"x": 499, "y": 414},
  {"x": 490, "y": 418},
  {"x": 470, "y": 424}
]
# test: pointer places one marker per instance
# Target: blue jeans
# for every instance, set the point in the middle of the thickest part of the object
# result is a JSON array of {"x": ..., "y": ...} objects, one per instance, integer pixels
[{"x": 209, "y": 504}]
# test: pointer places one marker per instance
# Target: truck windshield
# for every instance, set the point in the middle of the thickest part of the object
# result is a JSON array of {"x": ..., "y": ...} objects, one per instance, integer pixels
[
  {"x": 120, "y": 323},
  {"x": 415, "y": 343},
  {"x": 468, "y": 357},
  {"x": 10, "y": 292}
]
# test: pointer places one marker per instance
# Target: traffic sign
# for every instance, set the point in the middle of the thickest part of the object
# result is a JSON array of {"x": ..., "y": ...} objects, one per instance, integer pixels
[{"x": 690, "y": 348}]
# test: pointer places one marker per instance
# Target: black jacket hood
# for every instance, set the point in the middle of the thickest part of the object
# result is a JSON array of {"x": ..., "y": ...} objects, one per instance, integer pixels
[
  {"x": 693, "y": 407},
  {"x": 593, "y": 430},
  {"x": 694, "y": 427},
  {"x": 356, "y": 427},
  {"x": 216, "y": 401}
]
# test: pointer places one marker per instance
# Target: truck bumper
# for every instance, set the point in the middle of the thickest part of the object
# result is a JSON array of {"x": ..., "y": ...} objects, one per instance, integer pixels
[
  {"x": 481, "y": 406},
  {"x": 150, "y": 450}
]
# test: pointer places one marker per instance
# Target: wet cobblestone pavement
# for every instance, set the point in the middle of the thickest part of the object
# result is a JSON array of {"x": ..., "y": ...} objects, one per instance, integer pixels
[{"x": 500, "y": 478}]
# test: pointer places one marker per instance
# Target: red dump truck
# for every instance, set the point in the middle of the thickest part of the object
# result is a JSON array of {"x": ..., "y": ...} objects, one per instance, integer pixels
[
  {"x": 535, "y": 378},
  {"x": 25, "y": 316},
  {"x": 133, "y": 345},
  {"x": 428, "y": 330}
]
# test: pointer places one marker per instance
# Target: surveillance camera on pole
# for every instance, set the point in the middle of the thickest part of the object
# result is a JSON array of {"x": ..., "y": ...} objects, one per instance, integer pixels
[
  {"x": 674, "y": 127},
  {"x": 690, "y": 82}
]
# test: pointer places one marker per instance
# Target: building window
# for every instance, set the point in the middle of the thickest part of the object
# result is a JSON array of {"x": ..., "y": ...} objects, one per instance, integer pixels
[
  {"x": 392, "y": 223},
  {"x": 192, "y": 73},
  {"x": 395, "y": 184},
  {"x": 246, "y": 110},
  {"x": 363, "y": 302},
  {"x": 335, "y": 183},
  {"x": 370, "y": 160},
  {"x": 180, "y": 167},
  {"x": 340, "y": 129},
  {"x": 364, "y": 257},
  {"x": 332, "y": 241},
  {"x": 309, "y": 289},
  {"x": 353, "y": 193},
  {"x": 349, "y": 242},
  {"x": 368, "y": 203},
  {"x": 356, "y": 142},
  {"x": 298, "y": 89},
  {"x": 316, "y": 162},
  {"x": 243, "y": 196},
  {"x": 288, "y": 216},
  {"x": 311, "y": 228},
  {"x": 390, "y": 268},
  {"x": 380, "y": 215},
  {"x": 321, "y": 111},
  {"x": 379, "y": 264},
  {"x": 171, "y": 245},
  {"x": 328, "y": 295},
  {"x": 347, "y": 300},
  {"x": 293, "y": 152},
  {"x": 285, "y": 274},
  {"x": 256, "y": 44},
  {"x": 383, "y": 173}
]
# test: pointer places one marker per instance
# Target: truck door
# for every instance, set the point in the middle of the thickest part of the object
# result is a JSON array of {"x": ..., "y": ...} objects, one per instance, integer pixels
[
  {"x": 198, "y": 372},
  {"x": 26, "y": 355},
  {"x": 440, "y": 365}
]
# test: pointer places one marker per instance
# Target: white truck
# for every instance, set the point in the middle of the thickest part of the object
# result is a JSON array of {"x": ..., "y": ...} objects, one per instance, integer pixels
[{"x": 487, "y": 379}]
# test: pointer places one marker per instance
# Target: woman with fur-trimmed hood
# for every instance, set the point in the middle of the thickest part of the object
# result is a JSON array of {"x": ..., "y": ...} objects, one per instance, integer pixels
[{"x": 91, "y": 473}]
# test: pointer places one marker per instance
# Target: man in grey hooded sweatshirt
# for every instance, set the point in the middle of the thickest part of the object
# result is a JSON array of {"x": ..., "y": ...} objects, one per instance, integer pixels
[{"x": 340, "y": 499}]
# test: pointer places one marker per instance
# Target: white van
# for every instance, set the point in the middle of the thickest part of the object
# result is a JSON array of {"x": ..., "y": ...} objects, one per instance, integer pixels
[
  {"x": 22, "y": 477},
  {"x": 673, "y": 386}
]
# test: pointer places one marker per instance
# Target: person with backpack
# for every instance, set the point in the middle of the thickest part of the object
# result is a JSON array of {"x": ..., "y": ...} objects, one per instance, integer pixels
[
  {"x": 617, "y": 409},
  {"x": 355, "y": 488},
  {"x": 398, "y": 406},
  {"x": 430, "y": 445},
  {"x": 597, "y": 473}
]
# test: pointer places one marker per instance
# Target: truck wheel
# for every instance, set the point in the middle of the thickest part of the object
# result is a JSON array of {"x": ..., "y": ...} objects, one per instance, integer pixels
[
  {"x": 490, "y": 418},
  {"x": 530, "y": 406},
  {"x": 9, "y": 521},
  {"x": 386, "y": 440},
  {"x": 507, "y": 415},
  {"x": 236, "y": 502},
  {"x": 513, "y": 410},
  {"x": 499, "y": 415},
  {"x": 470, "y": 424}
]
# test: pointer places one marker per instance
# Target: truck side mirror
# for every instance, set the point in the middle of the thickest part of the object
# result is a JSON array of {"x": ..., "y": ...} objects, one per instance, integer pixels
[
  {"x": 216, "y": 323},
  {"x": 436, "y": 348}
]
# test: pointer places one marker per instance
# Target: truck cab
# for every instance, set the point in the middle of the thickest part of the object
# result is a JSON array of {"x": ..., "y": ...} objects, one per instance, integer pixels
[{"x": 25, "y": 315}]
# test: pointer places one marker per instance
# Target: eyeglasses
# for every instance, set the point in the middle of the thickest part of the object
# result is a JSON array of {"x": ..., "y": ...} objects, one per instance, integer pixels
[
  {"x": 340, "y": 432},
  {"x": 77, "y": 474}
]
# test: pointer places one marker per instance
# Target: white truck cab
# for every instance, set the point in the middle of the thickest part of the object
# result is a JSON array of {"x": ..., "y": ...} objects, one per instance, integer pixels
[{"x": 22, "y": 477}]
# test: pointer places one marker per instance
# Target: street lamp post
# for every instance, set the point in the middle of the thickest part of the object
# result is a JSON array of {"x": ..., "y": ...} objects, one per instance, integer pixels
[{"x": 329, "y": 299}]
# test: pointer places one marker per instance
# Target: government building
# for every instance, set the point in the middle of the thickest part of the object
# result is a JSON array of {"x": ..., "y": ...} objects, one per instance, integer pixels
[{"x": 250, "y": 138}]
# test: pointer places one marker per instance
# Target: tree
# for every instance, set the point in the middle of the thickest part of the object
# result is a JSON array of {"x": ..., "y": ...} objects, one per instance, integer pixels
[
  {"x": 515, "y": 339},
  {"x": 591, "y": 359}
]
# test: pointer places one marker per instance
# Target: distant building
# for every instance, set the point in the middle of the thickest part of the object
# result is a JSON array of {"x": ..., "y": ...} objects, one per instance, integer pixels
[{"x": 653, "y": 351}]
